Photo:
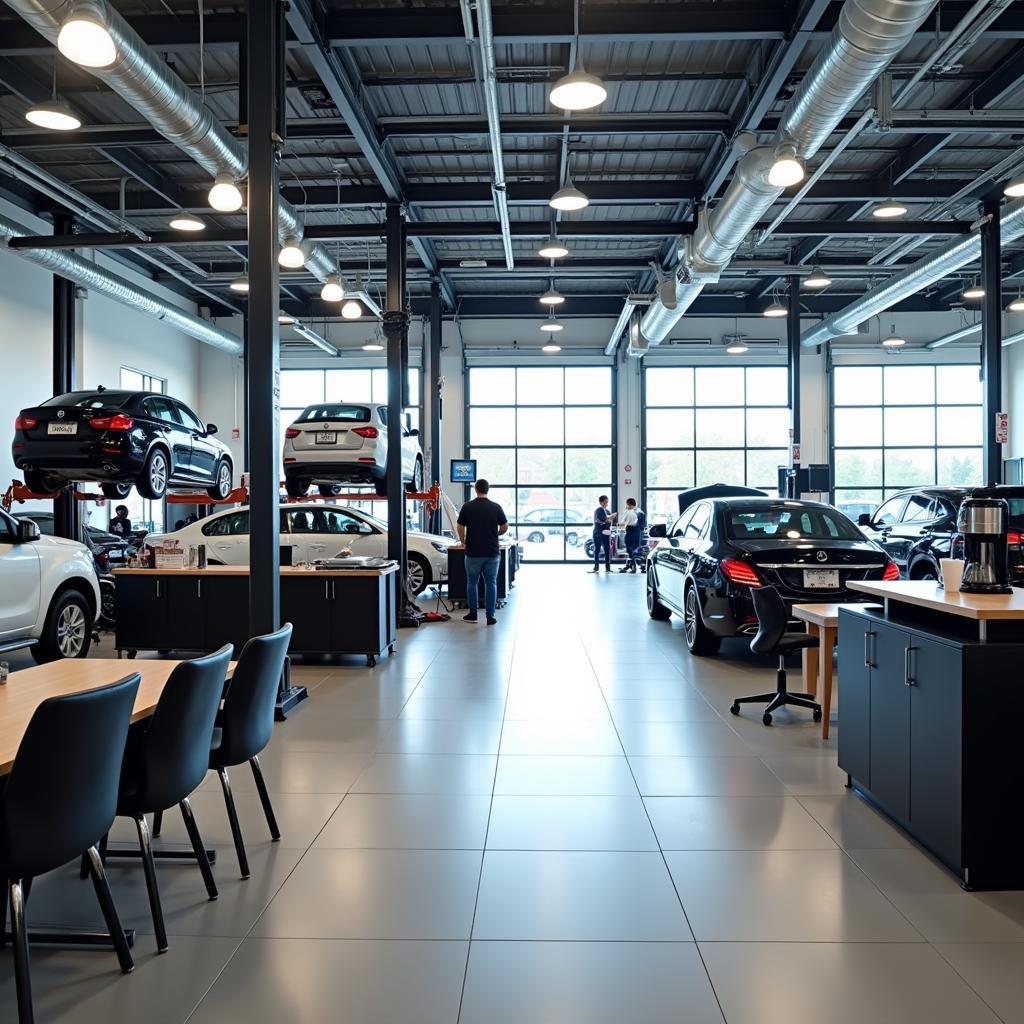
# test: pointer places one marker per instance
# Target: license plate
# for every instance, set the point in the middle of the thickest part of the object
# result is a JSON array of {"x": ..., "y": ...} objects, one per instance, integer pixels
[
  {"x": 62, "y": 428},
  {"x": 822, "y": 579},
  {"x": 115, "y": 553},
  {"x": 327, "y": 437}
]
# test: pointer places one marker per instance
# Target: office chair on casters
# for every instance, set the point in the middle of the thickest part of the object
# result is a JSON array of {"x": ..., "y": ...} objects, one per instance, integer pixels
[{"x": 772, "y": 638}]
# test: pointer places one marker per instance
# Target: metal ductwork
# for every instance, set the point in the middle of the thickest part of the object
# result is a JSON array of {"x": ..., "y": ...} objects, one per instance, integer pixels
[
  {"x": 142, "y": 79},
  {"x": 867, "y": 36},
  {"x": 69, "y": 265},
  {"x": 914, "y": 279}
]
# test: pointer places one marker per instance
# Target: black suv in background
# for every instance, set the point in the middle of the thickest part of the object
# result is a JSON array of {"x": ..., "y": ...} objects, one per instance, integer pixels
[{"x": 917, "y": 527}]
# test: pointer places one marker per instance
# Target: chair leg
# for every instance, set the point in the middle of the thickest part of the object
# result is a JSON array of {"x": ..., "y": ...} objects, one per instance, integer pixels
[
  {"x": 149, "y": 867},
  {"x": 106, "y": 901},
  {"x": 83, "y": 868},
  {"x": 268, "y": 808},
  {"x": 236, "y": 829},
  {"x": 19, "y": 939},
  {"x": 198, "y": 848},
  {"x": 158, "y": 824}
]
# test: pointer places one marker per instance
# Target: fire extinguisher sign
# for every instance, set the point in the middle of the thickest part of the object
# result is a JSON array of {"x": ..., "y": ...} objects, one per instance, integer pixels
[{"x": 1002, "y": 427}]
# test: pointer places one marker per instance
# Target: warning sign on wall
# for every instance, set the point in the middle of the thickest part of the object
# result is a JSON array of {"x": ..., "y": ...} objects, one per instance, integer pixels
[{"x": 1002, "y": 427}]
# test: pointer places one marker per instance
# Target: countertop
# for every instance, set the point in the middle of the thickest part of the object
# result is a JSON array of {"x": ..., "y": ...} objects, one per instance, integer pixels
[
  {"x": 243, "y": 570},
  {"x": 927, "y": 594}
]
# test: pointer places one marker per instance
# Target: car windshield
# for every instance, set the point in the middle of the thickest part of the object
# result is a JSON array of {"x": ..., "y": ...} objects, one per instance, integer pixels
[
  {"x": 789, "y": 523},
  {"x": 340, "y": 413},
  {"x": 372, "y": 520},
  {"x": 91, "y": 399}
]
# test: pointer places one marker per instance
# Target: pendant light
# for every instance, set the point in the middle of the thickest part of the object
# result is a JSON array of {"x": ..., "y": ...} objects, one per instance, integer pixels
[
  {"x": 578, "y": 90},
  {"x": 373, "y": 345},
  {"x": 1016, "y": 305},
  {"x": 817, "y": 279},
  {"x": 974, "y": 291},
  {"x": 351, "y": 310},
  {"x": 85, "y": 39},
  {"x": 893, "y": 340},
  {"x": 551, "y": 347},
  {"x": 787, "y": 169},
  {"x": 552, "y": 249},
  {"x": 889, "y": 210},
  {"x": 332, "y": 290},
  {"x": 291, "y": 256},
  {"x": 240, "y": 284},
  {"x": 1014, "y": 189},
  {"x": 552, "y": 297},
  {"x": 225, "y": 195},
  {"x": 775, "y": 310},
  {"x": 186, "y": 222},
  {"x": 54, "y": 114},
  {"x": 551, "y": 325},
  {"x": 568, "y": 198}
]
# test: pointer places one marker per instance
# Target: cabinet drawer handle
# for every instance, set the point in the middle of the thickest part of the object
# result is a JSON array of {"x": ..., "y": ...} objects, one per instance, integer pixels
[
  {"x": 867, "y": 648},
  {"x": 907, "y": 678},
  {"x": 327, "y": 590},
  {"x": 199, "y": 588},
  {"x": 157, "y": 588}
]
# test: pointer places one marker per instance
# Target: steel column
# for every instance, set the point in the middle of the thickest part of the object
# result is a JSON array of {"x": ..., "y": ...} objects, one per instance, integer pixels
[
  {"x": 65, "y": 508},
  {"x": 991, "y": 341},
  {"x": 433, "y": 391},
  {"x": 793, "y": 351}
]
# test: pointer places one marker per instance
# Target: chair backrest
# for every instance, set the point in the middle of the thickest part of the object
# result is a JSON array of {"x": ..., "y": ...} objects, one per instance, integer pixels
[
  {"x": 772, "y": 619},
  {"x": 176, "y": 746},
  {"x": 248, "y": 718},
  {"x": 61, "y": 794}
]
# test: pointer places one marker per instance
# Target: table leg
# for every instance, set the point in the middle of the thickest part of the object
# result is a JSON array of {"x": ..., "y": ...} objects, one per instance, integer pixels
[
  {"x": 828, "y": 643},
  {"x": 811, "y": 663}
]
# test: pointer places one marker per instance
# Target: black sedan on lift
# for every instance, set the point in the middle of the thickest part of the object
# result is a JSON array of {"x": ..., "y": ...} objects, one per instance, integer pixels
[{"x": 705, "y": 565}]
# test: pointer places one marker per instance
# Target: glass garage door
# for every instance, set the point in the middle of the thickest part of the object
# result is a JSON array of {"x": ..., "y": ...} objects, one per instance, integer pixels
[{"x": 544, "y": 439}]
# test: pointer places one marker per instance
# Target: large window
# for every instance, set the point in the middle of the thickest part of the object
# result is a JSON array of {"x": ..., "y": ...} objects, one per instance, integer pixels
[
  {"x": 712, "y": 424},
  {"x": 903, "y": 426},
  {"x": 543, "y": 437}
]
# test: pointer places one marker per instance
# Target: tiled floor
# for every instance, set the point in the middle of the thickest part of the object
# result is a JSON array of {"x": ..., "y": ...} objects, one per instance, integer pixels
[{"x": 552, "y": 820}]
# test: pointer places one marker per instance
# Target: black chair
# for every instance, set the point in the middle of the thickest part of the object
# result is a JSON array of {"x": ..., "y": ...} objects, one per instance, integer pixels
[
  {"x": 772, "y": 638},
  {"x": 246, "y": 722},
  {"x": 167, "y": 758},
  {"x": 59, "y": 799}
]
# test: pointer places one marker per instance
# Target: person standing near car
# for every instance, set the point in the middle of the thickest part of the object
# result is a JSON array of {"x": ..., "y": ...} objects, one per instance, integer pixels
[
  {"x": 631, "y": 521},
  {"x": 481, "y": 523},
  {"x": 602, "y": 534},
  {"x": 121, "y": 525}
]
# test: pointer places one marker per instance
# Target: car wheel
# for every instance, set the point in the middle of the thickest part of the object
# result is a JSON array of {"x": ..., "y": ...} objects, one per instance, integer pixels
[
  {"x": 40, "y": 483},
  {"x": 222, "y": 488},
  {"x": 535, "y": 538},
  {"x": 67, "y": 632},
  {"x": 116, "y": 490},
  {"x": 417, "y": 574},
  {"x": 655, "y": 608},
  {"x": 415, "y": 485},
  {"x": 295, "y": 488},
  {"x": 924, "y": 571},
  {"x": 153, "y": 482},
  {"x": 699, "y": 639},
  {"x": 329, "y": 490}
]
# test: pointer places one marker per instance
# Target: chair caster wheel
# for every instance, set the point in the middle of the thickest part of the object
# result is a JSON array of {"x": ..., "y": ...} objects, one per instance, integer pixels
[
  {"x": 817, "y": 716},
  {"x": 766, "y": 718},
  {"x": 735, "y": 709}
]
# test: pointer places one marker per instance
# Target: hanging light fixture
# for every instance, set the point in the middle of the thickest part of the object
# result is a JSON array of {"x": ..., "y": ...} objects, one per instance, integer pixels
[
  {"x": 817, "y": 279},
  {"x": 551, "y": 325},
  {"x": 568, "y": 198},
  {"x": 577, "y": 90},
  {"x": 553, "y": 249},
  {"x": 332, "y": 290},
  {"x": 1014, "y": 188},
  {"x": 552, "y": 297},
  {"x": 974, "y": 291},
  {"x": 291, "y": 255},
  {"x": 373, "y": 345},
  {"x": 893, "y": 340},
  {"x": 737, "y": 347},
  {"x": 85, "y": 39},
  {"x": 551, "y": 347},
  {"x": 775, "y": 310},
  {"x": 351, "y": 310},
  {"x": 787, "y": 169},
  {"x": 186, "y": 222},
  {"x": 1016, "y": 305},
  {"x": 54, "y": 114},
  {"x": 889, "y": 210},
  {"x": 240, "y": 284},
  {"x": 225, "y": 195}
]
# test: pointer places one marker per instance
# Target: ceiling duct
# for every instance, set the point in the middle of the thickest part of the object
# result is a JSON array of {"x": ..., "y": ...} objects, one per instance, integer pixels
[
  {"x": 867, "y": 36},
  {"x": 70, "y": 265},
  {"x": 142, "y": 79}
]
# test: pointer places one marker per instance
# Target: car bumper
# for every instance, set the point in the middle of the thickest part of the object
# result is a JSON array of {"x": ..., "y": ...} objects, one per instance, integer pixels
[
  {"x": 333, "y": 470},
  {"x": 91, "y": 460}
]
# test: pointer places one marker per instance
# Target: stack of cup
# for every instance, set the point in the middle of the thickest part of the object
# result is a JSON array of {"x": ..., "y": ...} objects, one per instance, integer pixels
[{"x": 952, "y": 574}]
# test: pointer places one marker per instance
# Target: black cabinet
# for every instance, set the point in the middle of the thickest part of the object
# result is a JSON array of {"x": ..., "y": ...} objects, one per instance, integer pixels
[
  {"x": 890, "y": 720},
  {"x": 854, "y": 701}
]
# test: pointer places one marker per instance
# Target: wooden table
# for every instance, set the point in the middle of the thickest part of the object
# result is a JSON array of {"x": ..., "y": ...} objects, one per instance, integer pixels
[{"x": 823, "y": 622}]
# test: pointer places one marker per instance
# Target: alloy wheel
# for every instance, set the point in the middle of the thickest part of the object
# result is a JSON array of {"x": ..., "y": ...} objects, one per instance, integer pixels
[
  {"x": 414, "y": 575},
  {"x": 71, "y": 631},
  {"x": 651, "y": 597},
  {"x": 690, "y": 617},
  {"x": 158, "y": 473},
  {"x": 224, "y": 479}
]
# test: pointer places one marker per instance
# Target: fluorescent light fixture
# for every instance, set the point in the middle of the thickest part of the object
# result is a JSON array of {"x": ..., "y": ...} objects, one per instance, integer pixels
[
  {"x": 240, "y": 284},
  {"x": 332, "y": 290},
  {"x": 552, "y": 249},
  {"x": 551, "y": 325},
  {"x": 787, "y": 169},
  {"x": 291, "y": 256},
  {"x": 893, "y": 340},
  {"x": 888, "y": 210},
  {"x": 568, "y": 198},
  {"x": 975, "y": 291},
  {"x": 578, "y": 90},
  {"x": 225, "y": 195},
  {"x": 551, "y": 347},
  {"x": 351, "y": 310},
  {"x": 552, "y": 298},
  {"x": 186, "y": 222},
  {"x": 285, "y": 319},
  {"x": 1016, "y": 305},
  {"x": 1014, "y": 188},
  {"x": 472, "y": 264},
  {"x": 775, "y": 310},
  {"x": 817, "y": 279},
  {"x": 372, "y": 346},
  {"x": 84, "y": 39},
  {"x": 737, "y": 348},
  {"x": 54, "y": 115}
]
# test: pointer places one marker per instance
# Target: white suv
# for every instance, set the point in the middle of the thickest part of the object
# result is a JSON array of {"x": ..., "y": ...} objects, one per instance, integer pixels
[
  {"x": 346, "y": 442},
  {"x": 50, "y": 592}
]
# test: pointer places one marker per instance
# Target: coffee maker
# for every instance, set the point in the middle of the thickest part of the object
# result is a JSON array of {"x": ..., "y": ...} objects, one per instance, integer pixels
[{"x": 982, "y": 524}]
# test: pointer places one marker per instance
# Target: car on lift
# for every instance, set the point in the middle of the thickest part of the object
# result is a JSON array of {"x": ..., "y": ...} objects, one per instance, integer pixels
[
  {"x": 119, "y": 438},
  {"x": 334, "y": 443},
  {"x": 706, "y": 564}
]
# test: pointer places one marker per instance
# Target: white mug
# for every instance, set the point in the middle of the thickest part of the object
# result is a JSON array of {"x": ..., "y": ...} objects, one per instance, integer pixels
[{"x": 952, "y": 574}]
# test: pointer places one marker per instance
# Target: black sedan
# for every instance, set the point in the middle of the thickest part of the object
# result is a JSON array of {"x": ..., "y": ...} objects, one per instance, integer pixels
[
  {"x": 119, "y": 438},
  {"x": 718, "y": 550}
]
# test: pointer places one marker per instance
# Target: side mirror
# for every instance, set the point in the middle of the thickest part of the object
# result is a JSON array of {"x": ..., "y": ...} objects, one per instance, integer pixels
[
  {"x": 863, "y": 519},
  {"x": 28, "y": 531},
  {"x": 211, "y": 428},
  {"x": 658, "y": 531}
]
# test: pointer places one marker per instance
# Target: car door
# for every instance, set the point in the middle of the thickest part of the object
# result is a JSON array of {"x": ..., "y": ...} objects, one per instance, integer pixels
[
  {"x": 886, "y": 516},
  {"x": 227, "y": 537},
  {"x": 205, "y": 452},
  {"x": 168, "y": 424},
  {"x": 670, "y": 564},
  {"x": 333, "y": 529},
  {"x": 915, "y": 519},
  {"x": 20, "y": 571}
]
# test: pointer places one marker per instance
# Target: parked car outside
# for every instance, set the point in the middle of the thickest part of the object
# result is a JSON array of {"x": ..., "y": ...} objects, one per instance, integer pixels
[
  {"x": 119, "y": 438},
  {"x": 50, "y": 595},
  {"x": 706, "y": 564},
  {"x": 535, "y": 525},
  {"x": 314, "y": 531},
  {"x": 346, "y": 442}
]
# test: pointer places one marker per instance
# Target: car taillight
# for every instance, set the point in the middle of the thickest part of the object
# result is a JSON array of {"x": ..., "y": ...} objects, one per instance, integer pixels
[
  {"x": 1013, "y": 538},
  {"x": 292, "y": 432},
  {"x": 892, "y": 572},
  {"x": 739, "y": 572},
  {"x": 24, "y": 423},
  {"x": 370, "y": 432},
  {"x": 116, "y": 422},
  {"x": 103, "y": 561}
]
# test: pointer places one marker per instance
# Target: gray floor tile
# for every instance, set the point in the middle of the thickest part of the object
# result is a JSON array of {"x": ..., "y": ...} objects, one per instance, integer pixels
[
  {"x": 995, "y": 970},
  {"x": 408, "y": 822},
  {"x": 839, "y": 983},
  {"x": 466, "y": 709},
  {"x": 271, "y": 981},
  {"x": 704, "y": 776},
  {"x": 299, "y": 771},
  {"x": 586, "y": 737},
  {"x": 326, "y": 725},
  {"x": 663, "y": 687},
  {"x": 564, "y": 776},
  {"x": 427, "y": 773},
  {"x": 853, "y": 823},
  {"x": 681, "y": 739},
  {"x": 679, "y": 709},
  {"x": 595, "y": 982},
  {"x": 419, "y": 736},
  {"x": 808, "y": 776},
  {"x": 569, "y": 823},
  {"x": 376, "y": 894},
  {"x": 578, "y": 897}
]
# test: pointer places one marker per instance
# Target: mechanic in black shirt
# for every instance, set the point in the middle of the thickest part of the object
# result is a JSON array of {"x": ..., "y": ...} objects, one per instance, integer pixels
[
  {"x": 481, "y": 523},
  {"x": 121, "y": 525}
]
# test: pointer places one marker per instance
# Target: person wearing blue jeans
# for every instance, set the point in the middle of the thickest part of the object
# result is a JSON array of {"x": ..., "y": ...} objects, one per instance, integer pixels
[
  {"x": 602, "y": 534},
  {"x": 481, "y": 523}
]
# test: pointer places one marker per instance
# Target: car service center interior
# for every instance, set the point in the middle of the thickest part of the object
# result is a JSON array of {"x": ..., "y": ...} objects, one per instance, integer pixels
[{"x": 513, "y": 511}]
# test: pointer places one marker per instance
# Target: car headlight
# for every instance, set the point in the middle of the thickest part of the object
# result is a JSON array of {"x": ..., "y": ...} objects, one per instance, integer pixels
[{"x": 443, "y": 548}]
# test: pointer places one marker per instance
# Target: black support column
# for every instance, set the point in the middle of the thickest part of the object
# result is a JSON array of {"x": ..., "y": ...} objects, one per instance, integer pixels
[
  {"x": 992, "y": 340},
  {"x": 793, "y": 352},
  {"x": 65, "y": 508},
  {"x": 433, "y": 393}
]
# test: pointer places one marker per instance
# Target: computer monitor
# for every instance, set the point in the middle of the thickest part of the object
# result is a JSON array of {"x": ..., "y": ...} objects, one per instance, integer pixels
[{"x": 463, "y": 471}]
